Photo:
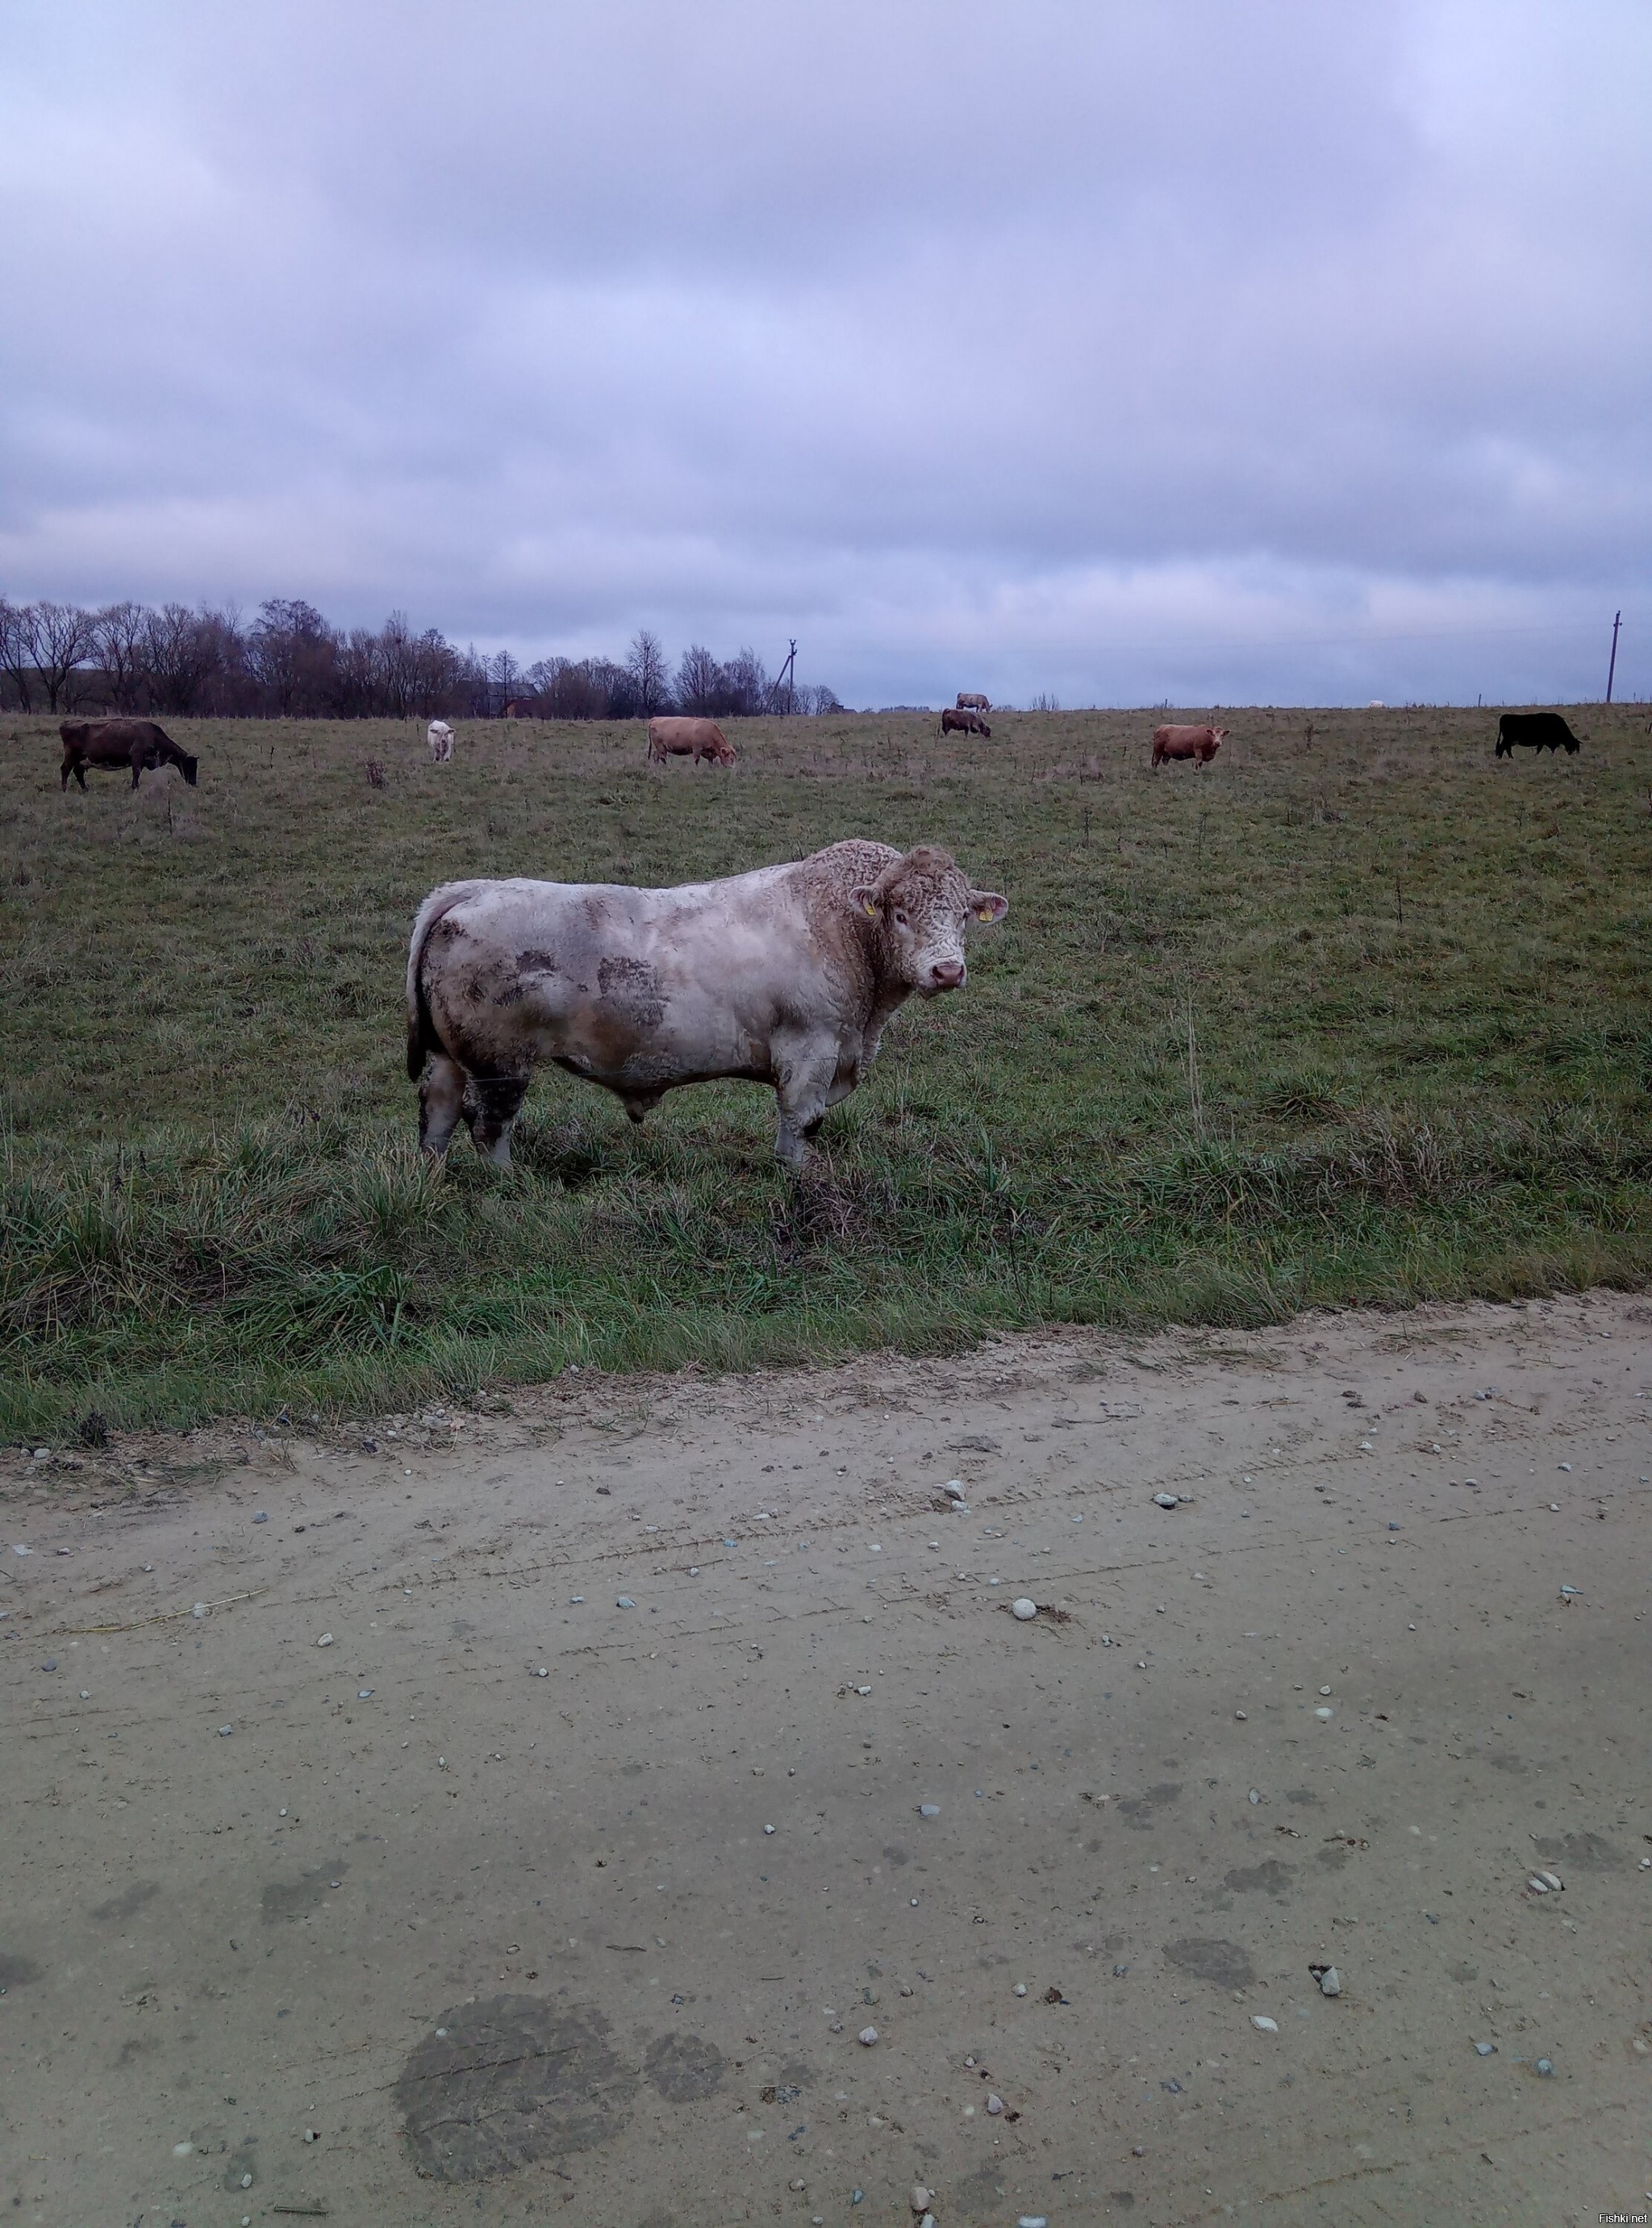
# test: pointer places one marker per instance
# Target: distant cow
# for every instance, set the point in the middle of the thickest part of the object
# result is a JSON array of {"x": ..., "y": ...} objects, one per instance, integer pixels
[
  {"x": 972, "y": 703},
  {"x": 1537, "y": 731},
  {"x": 676, "y": 738},
  {"x": 522, "y": 707},
  {"x": 965, "y": 723},
  {"x": 785, "y": 977},
  {"x": 439, "y": 736},
  {"x": 1200, "y": 743},
  {"x": 138, "y": 744}
]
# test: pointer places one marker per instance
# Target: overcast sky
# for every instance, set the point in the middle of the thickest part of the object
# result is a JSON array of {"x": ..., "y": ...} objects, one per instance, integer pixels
[{"x": 1282, "y": 352}]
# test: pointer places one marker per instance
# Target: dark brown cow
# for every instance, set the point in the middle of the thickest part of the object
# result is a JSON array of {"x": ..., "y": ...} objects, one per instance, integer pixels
[
  {"x": 138, "y": 744},
  {"x": 965, "y": 723},
  {"x": 1200, "y": 744},
  {"x": 676, "y": 737}
]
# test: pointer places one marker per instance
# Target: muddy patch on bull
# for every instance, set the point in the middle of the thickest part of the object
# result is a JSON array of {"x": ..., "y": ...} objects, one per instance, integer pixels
[
  {"x": 684, "y": 2068},
  {"x": 632, "y": 988},
  {"x": 285, "y": 1899},
  {"x": 1270, "y": 1879},
  {"x": 1585, "y": 1852},
  {"x": 129, "y": 1902},
  {"x": 1224, "y": 1964},
  {"x": 17, "y": 1972},
  {"x": 503, "y": 2082},
  {"x": 1137, "y": 1810}
]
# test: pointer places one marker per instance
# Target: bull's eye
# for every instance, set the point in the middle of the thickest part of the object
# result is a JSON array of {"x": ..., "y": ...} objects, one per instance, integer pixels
[{"x": 900, "y": 917}]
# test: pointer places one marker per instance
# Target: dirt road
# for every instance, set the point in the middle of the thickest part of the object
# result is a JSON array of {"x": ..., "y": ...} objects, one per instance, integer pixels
[{"x": 539, "y": 1805}]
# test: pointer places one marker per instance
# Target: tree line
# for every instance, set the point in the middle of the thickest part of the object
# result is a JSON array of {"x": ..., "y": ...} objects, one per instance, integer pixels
[{"x": 292, "y": 663}]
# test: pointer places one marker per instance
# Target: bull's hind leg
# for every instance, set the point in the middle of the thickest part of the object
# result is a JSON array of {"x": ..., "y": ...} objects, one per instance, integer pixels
[
  {"x": 490, "y": 1107},
  {"x": 441, "y": 1100}
]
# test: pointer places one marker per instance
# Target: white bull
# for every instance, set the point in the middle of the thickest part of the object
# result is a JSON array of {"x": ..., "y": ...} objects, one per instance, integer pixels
[
  {"x": 439, "y": 736},
  {"x": 786, "y": 976}
]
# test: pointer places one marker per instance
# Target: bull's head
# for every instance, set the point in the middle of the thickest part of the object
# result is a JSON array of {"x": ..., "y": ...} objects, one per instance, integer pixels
[
  {"x": 188, "y": 766},
  {"x": 922, "y": 902}
]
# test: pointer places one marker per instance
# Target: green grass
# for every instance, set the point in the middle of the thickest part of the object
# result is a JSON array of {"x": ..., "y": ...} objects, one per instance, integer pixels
[{"x": 1412, "y": 982}]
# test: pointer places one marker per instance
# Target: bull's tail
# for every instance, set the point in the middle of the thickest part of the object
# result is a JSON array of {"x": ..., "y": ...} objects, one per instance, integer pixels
[{"x": 422, "y": 1039}]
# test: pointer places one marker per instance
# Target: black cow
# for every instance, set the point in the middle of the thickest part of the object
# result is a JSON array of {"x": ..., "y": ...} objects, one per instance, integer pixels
[{"x": 1537, "y": 731}]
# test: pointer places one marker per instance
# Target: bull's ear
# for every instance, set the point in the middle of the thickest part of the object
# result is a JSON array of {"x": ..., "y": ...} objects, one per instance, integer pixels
[
  {"x": 865, "y": 900},
  {"x": 987, "y": 904}
]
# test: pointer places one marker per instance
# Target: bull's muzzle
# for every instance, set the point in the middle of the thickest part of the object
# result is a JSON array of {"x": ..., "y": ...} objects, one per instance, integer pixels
[{"x": 946, "y": 975}]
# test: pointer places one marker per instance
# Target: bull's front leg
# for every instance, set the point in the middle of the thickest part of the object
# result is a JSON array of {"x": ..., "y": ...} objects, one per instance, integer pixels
[{"x": 803, "y": 1089}]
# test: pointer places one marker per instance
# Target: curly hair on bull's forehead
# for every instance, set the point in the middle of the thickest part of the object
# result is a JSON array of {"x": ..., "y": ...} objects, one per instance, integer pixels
[{"x": 925, "y": 868}]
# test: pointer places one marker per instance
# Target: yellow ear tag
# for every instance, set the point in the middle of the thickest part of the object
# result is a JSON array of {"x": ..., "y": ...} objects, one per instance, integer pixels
[
  {"x": 868, "y": 908},
  {"x": 985, "y": 913}
]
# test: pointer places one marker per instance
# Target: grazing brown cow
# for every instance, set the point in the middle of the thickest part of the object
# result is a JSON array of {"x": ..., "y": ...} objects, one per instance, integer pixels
[
  {"x": 965, "y": 723},
  {"x": 138, "y": 744},
  {"x": 1199, "y": 743},
  {"x": 677, "y": 738},
  {"x": 786, "y": 976},
  {"x": 967, "y": 703}
]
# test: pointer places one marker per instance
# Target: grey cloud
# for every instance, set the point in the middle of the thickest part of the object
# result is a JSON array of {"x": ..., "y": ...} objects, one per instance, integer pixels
[{"x": 923, "y": 333}]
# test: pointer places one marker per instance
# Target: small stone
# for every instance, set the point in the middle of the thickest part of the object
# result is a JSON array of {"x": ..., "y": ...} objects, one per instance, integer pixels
[
  {"x": 246, "y": 2181},
  {"x": 1324, "y": 1715},
  {"x": 995, "y": 2105},
  {"x": 1254, "y": 1795},
  {"x": 224, "y": 1731},
  {"x": 198, "y": 1608},
  {"x": 867, "y": 2037},
  {"x": 1264, "y": 2024},
  {"x": 954, "y": 1486},
  {"x": 1330, "y": 1981},
  {"x": 1324, "y": 1690},
  {"x": 1545, "y": 2065},
  {"x": 543, "y": 1672},
  {"x": 797, "y": 2182},
  {"x": 311, "y": 2135},
  {"x": 929, "y": 1809},
  {"x": 19, "y": 1549},
  {"x": 768, "y": 1829},
  {"x": 1393, "y": 1526},
  {"x": 50, "y": 1664},
  {"x": 1033, "y": 2220},
  {"x": 920, "y": 2197},
  {"x": 326, "y": 1640},
  {"x": 1165, "y": 1500},
  {"x": 1024, "y": 1607},
  {"x": 259, "y": 1516},
  {"x": 85, "y": 1694},
  {"x": 857, "y": 2197},
  {"x": 624, "y": 1602},
  {"x": 1537, "y": 1886},
  {"x": 181, "y": 2150},
  {"x": 863, "y": 1690},
  {"x": 1551, "y": 1879},
  {"x": 1485, "y": 2049},
  {"x": 1020, "y": 1987},
  {"x": 1240, "y": 1716},
  {"x": 1566, "y": 1465}
]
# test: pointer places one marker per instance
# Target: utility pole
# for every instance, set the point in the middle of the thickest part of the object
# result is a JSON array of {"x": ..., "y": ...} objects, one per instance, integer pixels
[
  {"x": 787, "y": 677},
  {"x": 1611, "y": 669}
]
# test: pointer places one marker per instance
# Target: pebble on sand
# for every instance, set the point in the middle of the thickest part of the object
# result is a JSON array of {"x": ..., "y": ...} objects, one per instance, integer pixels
[
  {"x": 624, "y": 1602},
  {"x": 1485, "y": 2049},
  {"x": 259, "y": 1516},
  {"x": 1545, "y": 2065},
  {"x": 928, "y": 1810},
  {"x": 995, "y": 2106},
  {"x": 326, "y": 1640},
  {"x": 1165, "y": 1500},
  {"x": 1024, "y": 1607},
  {"x": 1323, "y": 1714},
  {"x": 920, "y": 2199},
  {"x": 1330, "y": 1981},
  {"x": 867, "y": 2037},
  {"x": 1264, "y": 2024},
  {"x": 224, "y": 1731},
  {"x": 1020, "y": 1987}
]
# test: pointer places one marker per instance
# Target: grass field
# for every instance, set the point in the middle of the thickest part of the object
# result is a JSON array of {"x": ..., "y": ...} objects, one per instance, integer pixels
[{"x": 1362, "y": 1019}]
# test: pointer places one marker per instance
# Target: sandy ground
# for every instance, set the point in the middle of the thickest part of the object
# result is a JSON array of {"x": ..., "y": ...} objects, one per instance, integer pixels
[{"x": 559, "y": 1884}]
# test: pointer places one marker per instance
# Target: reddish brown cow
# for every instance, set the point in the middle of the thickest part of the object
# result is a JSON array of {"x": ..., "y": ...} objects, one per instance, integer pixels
[
  {"x": 1198, "y": 743},
  {"x": 138, "y": 744},
  {"x": 965, "y": 723},
  {"x": 678, "y": 738}
]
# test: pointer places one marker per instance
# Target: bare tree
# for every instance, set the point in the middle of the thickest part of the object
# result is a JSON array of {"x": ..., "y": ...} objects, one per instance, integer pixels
[
  {"x": 18, "y": 658},
  {"x": 749, "y": 685},
  {"x": 288, "y": 652},
  {"x": 120, "y": 652},
  {"x": 64, "y": 639},
  {"x": 650, "y": 676},
  {"x": 702, "y": 686}
]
